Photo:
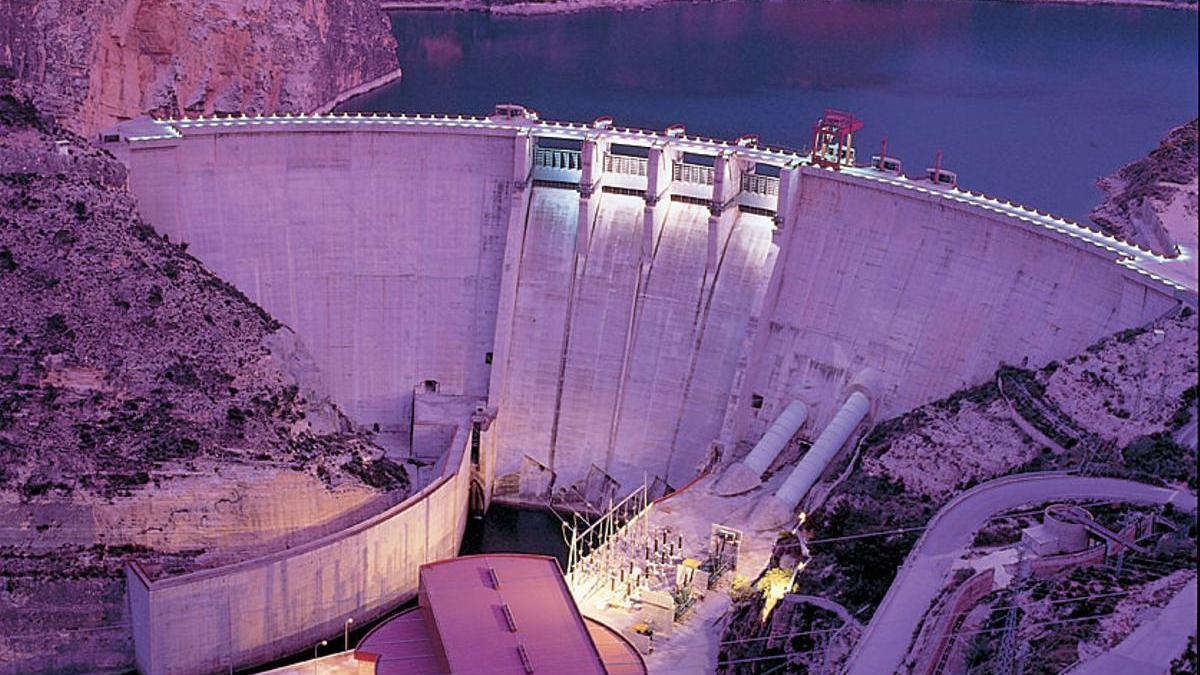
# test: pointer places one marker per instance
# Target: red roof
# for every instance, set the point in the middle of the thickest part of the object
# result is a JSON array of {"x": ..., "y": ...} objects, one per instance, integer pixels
[{"x": 494, "y": 613}]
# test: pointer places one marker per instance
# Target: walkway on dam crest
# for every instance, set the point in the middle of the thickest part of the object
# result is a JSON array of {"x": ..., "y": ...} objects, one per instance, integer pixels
[
  {"x": 886, "y": 641},
  {"x": 1181, "y": 273}
]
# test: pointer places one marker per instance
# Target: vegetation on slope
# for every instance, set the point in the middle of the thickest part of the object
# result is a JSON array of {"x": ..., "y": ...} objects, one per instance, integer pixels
[
  {"x": 1081, "y": 612},
  {"x": 1137, "y": 389},
  {"x": 1158, "y": 178}
]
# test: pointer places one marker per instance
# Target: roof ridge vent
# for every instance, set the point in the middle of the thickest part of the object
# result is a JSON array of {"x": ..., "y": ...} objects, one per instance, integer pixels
[
  {"x": 508, "y": 617},
  {"x": 525, "y": 659}
]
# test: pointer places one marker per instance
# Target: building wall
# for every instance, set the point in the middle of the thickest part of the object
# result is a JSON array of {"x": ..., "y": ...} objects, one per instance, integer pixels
[{"x": 269, "y": 607}]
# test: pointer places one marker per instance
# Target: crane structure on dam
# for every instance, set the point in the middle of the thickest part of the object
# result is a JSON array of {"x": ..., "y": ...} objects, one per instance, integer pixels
[{"x": 833, "y": 139}]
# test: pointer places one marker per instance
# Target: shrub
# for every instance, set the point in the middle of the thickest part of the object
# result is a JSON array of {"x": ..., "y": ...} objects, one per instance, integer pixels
[
  {"x": 15, "y": 112},
  {"x": 56, "y": 323},
  {"x": 1159, "y": 456}
]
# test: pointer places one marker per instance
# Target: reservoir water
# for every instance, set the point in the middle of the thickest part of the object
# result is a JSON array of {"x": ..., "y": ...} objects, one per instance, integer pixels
[{"x": 1030, "y": 102}]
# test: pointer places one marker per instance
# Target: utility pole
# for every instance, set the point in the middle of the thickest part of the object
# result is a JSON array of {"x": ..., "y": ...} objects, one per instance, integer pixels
[{"x": 1010, "y": 657}]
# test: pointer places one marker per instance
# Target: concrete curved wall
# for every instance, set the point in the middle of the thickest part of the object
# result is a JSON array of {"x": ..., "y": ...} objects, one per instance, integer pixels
[
  {"x": 634, "y": 307},
  {"x": 266, "y": 608},
  {"x": 931, "y": 293},
  {"x": 381, "y": 250}
]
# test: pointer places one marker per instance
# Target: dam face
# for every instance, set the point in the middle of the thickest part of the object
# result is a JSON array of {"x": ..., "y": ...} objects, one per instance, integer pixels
[
  {"x": 385, "y": 248},
  {"x": 622, "y": 299}
]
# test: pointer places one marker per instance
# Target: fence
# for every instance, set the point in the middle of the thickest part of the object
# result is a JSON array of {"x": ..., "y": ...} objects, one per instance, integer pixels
[
  {"x": 626, "y": 164},
  {"x": 692, "y": 173},
  {"x": 760, "y": 185},
  {"x": 557, "y": 158}
]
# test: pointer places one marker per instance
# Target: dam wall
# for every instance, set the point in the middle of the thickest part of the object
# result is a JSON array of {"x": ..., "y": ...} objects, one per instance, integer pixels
[
  {"x": 383, "y": 251},
  {"x": 262, "y": 609},
  {"x": 619, "y": 361},
  {"x": 619, "y": 299},
  {"x": 933, "y": 294},
  {"x": 624, "y": 298}
]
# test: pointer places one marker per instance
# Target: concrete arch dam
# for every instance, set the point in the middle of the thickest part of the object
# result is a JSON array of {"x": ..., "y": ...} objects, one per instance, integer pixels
[{"x": 623, "y": 298}]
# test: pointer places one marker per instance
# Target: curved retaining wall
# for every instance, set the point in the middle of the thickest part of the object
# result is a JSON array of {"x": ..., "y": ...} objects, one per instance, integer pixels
[{"x": 266, "y": 608}]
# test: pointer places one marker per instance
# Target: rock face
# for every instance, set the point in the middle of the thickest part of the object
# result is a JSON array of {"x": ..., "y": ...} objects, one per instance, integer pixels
[
  {"x": 1152, "y": 201},
  {"x": 147, "y": 410},
  {"x": 103, "y": 61},
  {"x": 1099, "y": 408}
]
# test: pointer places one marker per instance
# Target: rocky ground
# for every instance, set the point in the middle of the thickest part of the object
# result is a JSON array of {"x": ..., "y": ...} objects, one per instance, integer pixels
[
  {"x": 101, "y": 61},
  {"x": 148, "y": 410},
  {"x": 1112, "y": 410},
  {"x": 1079, "y": 612},
  {"x": 1075, "y": 615},
  {"x": 1155, "y": 194}
]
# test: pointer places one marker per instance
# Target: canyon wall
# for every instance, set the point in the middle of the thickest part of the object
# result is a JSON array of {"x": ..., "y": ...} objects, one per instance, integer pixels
[
  {"x": 104, "y": 61},
  {"x": 1153, "y": 200},
  {"x": 148, "y": 410}
]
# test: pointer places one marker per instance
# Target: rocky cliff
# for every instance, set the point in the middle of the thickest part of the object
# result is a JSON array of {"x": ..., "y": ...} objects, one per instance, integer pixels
[
  {"x": 101, "y": 61},
  {"x": 1152, "y": 201},
  {"x": 148, "y": 410}
]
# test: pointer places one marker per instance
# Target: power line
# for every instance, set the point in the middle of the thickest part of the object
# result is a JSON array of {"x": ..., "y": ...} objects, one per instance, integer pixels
[
  {"x": 1078, "y": 598},
  {"x": 917, "y": 528}
]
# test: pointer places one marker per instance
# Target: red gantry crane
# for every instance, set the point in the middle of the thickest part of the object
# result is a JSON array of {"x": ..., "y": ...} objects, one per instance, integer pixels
[{"x": 833, "y": 139}]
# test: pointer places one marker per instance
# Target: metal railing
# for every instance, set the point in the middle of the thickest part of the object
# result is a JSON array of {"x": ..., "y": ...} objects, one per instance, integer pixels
[
  {"x": 692, "y": 173},
  {"x": 760, "y": 185},
  {"x": 598, "y": 551},
  {"x": 626, "y": 164},
  {"x": 557, "y": 158}
]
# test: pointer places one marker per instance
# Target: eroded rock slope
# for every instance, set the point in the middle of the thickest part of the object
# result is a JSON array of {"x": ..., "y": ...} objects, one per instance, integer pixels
[
  {"x": 148, "y": 410},
  {"x": 1152, "y": 201},
  {"x": 98, "y": 62}
]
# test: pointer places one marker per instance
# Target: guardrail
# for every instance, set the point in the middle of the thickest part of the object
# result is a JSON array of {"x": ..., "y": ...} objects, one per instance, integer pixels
[
  {"x": 692, "y": 173},
  {"x": 558, "y": 158},
  {"x": 626, "y": 164},
  {"x": 760, "y": 185}
]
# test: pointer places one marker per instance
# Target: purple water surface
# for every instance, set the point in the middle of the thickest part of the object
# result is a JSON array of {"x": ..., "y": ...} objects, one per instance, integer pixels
[{"x": 1031, "y": 102}]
